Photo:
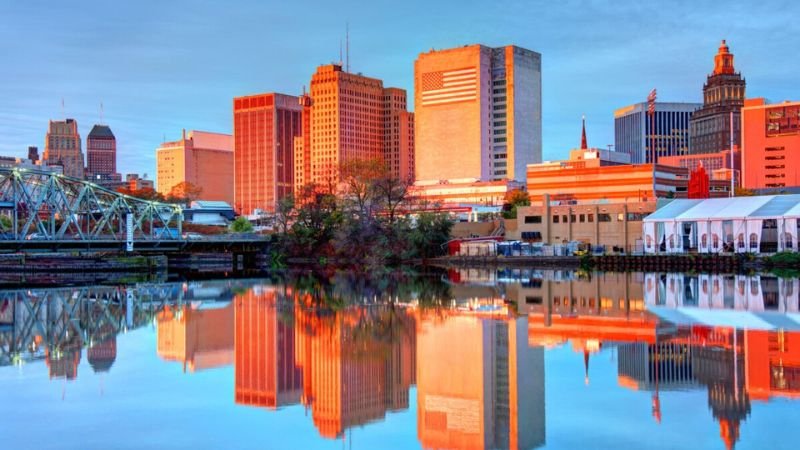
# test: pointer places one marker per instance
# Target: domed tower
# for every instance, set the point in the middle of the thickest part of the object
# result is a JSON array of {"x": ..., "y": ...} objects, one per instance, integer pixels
[{"x": 723, "y": 95}]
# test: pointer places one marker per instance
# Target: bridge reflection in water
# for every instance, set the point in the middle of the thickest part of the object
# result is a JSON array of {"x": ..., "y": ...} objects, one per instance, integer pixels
[{"x": 478, "y": 367}]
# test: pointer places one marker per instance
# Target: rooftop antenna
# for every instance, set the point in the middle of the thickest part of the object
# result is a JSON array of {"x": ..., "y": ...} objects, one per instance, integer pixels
[
  {"x": 62, "y": 108},
  {"x": 347, "y": 45},
  {"x": 102, "y": 122},
  {"x": 340, "y": 52}
]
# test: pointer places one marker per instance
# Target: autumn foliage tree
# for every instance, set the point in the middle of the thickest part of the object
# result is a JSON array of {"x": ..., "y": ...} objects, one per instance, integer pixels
[
  {"x": 366, "y": 224},
  {"x": 144, "y": 193},
  {"x": 184, "y": 192}
]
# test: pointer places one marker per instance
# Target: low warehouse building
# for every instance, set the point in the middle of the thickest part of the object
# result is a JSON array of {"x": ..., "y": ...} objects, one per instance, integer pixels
[{"x": 617, "y": 226}]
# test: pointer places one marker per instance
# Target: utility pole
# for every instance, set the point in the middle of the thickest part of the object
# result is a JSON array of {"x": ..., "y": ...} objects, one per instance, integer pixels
[{"x": 651, "y": 110}]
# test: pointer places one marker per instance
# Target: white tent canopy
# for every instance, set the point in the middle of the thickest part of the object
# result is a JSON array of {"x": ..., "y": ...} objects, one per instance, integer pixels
[{"x": 739, "y": 224}]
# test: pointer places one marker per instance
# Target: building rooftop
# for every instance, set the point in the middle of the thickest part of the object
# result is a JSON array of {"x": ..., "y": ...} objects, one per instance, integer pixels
[
  {"x": 210, "y": 204},
  {"x": 102, "y": 131},
  {"x": 765, "y": 206}
]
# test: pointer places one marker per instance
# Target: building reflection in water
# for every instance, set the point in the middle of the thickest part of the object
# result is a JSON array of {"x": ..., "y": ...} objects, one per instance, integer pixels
[
  {"x": 738, "y": 337},
  {"x": 198, "y": 335},
  {"x": 55, "y": 325},
  {"x": 479, "y": 383},
  {"x": 348, "y": 367},
  {"x": 352, "y": 366},
  {"x": 478, "y": 367}
]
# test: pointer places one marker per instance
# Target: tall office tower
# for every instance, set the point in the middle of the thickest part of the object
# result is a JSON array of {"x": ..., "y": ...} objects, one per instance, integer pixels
[
  {"x": 346, "y": 121},
  {"x": 723, "y": 95},
  {"x": 33, "y": 153},
  {"x": 398, "y": 148},
  {"x": 302, "y": 146},
  {"x": 62, "y": 147},
  {"x": 101, "y": 153},
  {"x": 201, "y": 158},
  {"x": 633, "y": 135},
  {"x": 264, "y": 129},
  {"x": 478, "y": 113}
]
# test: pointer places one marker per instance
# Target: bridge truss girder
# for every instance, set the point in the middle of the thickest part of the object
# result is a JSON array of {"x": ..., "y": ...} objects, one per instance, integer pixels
[{"x": 56, "y": 207}]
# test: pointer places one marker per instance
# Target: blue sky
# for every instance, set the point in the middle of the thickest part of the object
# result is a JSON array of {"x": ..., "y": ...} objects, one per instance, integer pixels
[{"x": 161, "y": 66}]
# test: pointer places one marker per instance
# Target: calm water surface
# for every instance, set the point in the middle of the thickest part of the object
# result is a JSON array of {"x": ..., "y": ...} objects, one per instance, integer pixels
[{"x": 467, "y": 359}]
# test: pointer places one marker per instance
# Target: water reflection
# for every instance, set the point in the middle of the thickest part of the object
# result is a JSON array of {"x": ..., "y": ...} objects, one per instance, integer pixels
[
  {"x": 473, "y": 344},
  {"x": 736, "y": 336}
]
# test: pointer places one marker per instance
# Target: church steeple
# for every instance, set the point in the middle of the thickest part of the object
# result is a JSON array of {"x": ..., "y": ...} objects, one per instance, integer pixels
[
  {"x": 583, "y": 134},
  {"x": 723, "y": 61}
]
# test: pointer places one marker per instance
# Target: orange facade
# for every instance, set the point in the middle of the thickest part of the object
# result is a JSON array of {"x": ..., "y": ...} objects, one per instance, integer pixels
[
  {"x": 770, "y": 144},
  {"x": 615, "y": 184},
  {"x": 481, "y": 107},
  {"x": 201, "y": 158},
  {"x": 265, "y": 127},
  {"x": 354, "y": 118}
]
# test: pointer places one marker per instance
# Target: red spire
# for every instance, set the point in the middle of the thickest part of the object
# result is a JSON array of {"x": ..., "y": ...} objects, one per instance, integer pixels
[{"x": 583, "y": 134}]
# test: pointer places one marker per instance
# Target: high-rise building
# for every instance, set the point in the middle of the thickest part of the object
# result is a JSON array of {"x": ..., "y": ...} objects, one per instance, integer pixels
[
  {"x": 62, "y": 147},
  {"x": 201, "y": 158},
  {"x": 302, "y": 147},
  {"x": 134, "y": 182},
  {"x": 33, "y": 153},
  {"x": 770, "y": 144},
  {"x": 398, "y": 147},
  {"x": 264, "y": 129},
  {"x": 349, "y": 118},
  {"x": 723, "y": 96},
  {"x": 101, "y": 154},
  {"x": 633, "y": 135},
  {"x": 480, "y": 107}
]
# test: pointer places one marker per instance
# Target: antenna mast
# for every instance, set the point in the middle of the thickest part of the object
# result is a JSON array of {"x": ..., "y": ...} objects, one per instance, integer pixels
[
  {"x": 101, "y": 114},
  {"x": 347, "y": 47}
]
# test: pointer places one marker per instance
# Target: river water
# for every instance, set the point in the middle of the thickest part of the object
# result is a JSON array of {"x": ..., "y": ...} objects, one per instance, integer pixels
[{"x": 462, "y": 359}]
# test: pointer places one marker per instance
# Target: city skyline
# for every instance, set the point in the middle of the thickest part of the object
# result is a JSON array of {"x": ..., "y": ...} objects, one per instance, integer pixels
[{"x": 157, "y": 63}]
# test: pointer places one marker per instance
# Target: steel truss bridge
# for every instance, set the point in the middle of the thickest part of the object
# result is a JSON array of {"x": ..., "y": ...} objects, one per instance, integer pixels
[
  {"x": 54, "y": 324},
  {"x": 44, "y": 206}
]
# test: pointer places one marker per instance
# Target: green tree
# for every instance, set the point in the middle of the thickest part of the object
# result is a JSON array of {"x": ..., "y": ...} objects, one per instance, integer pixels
[
  {"x": 241, "y": 225},
  {"x": 429, "y": 234}
]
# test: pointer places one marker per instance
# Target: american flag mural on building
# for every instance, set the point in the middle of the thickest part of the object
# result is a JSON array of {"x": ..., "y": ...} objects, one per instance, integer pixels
[{"x": 449, "y": 86}]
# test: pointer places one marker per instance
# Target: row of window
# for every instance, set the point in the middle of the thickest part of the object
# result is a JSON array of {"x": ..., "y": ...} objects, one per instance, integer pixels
[{"x": 588, "y": 218}]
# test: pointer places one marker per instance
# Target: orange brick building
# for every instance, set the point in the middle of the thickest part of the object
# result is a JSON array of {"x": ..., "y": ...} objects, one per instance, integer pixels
[
  {"x": 201, "y": 158},
  {"x": 770, "y": 144},
  {"x": 264, "y": 129},
  {"x": 353, "y": 117}
]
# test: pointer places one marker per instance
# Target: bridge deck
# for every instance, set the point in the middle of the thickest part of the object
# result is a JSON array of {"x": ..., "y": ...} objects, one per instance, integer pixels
[{"x": 156, "y": 246}]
